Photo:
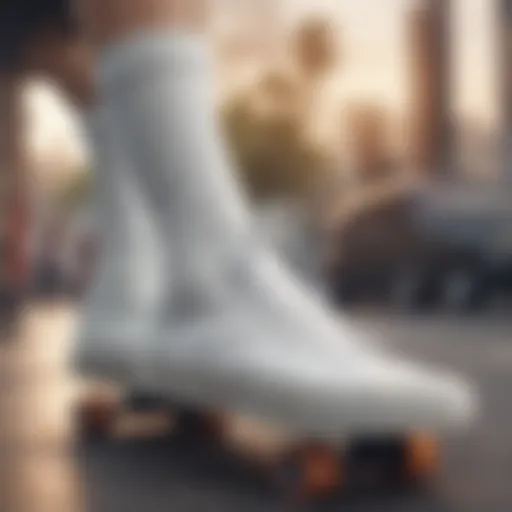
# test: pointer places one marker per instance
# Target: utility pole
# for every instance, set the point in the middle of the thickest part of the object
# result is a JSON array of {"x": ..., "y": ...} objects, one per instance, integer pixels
[
  {"x": 504, "y": 22},
  {"x": 432, "y": 143}
]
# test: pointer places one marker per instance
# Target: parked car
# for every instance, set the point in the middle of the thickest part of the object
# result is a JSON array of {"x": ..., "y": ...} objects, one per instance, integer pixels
[{"x": 433, "y": 245}]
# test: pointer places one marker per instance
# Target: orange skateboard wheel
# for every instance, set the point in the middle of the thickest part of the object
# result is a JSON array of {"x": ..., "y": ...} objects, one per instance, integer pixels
[{"x": 421, "y": 456}]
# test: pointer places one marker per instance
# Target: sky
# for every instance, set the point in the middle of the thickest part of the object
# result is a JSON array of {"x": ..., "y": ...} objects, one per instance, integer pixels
[{"x": 375, "y": 48}]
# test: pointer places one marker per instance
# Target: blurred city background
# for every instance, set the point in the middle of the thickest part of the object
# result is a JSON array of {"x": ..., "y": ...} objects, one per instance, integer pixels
[
  {"x": 380, "y": 124},
  {"x": 374, "y": 139}
]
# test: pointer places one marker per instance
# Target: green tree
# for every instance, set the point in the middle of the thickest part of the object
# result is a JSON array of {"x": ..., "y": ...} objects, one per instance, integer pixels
[{"x": 266, "y": 133}]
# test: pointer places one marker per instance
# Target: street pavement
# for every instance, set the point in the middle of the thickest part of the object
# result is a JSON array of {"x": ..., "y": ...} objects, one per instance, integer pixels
[{"x": 43, "y": 468}]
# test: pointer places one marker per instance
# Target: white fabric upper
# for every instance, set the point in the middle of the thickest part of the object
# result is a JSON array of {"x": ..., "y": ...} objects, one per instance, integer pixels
[{"x": 125, "y": 284}]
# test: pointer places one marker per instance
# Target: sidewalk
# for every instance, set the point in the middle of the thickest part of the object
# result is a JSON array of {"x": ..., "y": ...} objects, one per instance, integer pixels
[{"x": 37, "y": 470}]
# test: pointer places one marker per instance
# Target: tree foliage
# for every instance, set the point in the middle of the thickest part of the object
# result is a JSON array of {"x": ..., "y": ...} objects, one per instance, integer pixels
[{"x": 265, "y": 131}]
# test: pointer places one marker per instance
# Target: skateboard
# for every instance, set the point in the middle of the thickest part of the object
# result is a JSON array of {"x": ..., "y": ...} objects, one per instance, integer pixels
[{"x": 300, "y": 469}]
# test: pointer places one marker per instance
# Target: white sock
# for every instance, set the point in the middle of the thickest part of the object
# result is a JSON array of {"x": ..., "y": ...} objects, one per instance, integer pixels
[
  {"x": 160, "y": 88},
  {"x": 125, "y": 275}
]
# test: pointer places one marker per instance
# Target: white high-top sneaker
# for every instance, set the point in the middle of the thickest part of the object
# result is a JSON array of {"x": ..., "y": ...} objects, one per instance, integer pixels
[
  {"x": 121, "y": 301},
  {"x": 237, "y": 332}
]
